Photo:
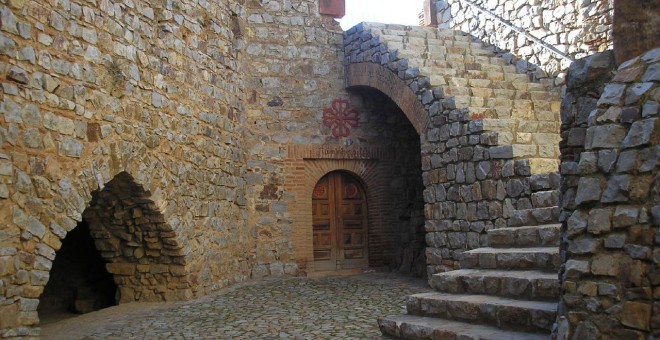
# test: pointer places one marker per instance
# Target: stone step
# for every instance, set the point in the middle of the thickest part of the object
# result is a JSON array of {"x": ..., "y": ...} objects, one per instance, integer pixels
[
  {"x": 535, "y": 216},
  {"x": 495, "y": 311},
  {"x": 520, "y": 284},
  {"x": 440, "y": 76},
  {"x": 420, "y": 327},
  {"x": 527, "y": 236},
  {"x": 426, "y": 65},
  {"x": 545, "y": 258}
]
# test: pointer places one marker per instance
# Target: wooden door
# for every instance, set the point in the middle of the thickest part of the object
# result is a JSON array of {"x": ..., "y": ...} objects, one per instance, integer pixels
[{"x": 339, "y": 209}]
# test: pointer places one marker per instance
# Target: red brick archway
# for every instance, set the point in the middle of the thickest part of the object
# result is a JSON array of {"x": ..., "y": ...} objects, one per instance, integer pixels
[
  {"x": 306, "y": 165},
  {"x": 388, "y": 82}
]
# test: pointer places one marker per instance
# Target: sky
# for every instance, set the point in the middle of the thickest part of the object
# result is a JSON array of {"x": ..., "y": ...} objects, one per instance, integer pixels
[{"x": 386, "y": 11}]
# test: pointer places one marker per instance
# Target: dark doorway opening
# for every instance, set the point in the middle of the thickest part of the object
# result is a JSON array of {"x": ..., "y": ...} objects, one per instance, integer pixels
[
  {"x": 79, "y": 282},
  {"x": 388, "y": 126}
]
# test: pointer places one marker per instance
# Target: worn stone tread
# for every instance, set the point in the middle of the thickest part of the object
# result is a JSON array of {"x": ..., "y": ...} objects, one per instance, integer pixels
[
  {"x": 502, "y": 312},
  {"x": 518, "y": 274},
  {"x": 534, "y": 236},
  {"x": 489, "y": 300},
  {"x": 521, "y": 284},
  {"x": 419, "y": 327},
  {"x": 541, "y": 258},
  {"x": 489, "y": 250},
  {"x": 514, "y": 229}
]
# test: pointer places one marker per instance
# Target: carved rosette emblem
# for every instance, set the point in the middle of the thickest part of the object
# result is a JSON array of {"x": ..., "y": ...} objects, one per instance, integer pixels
[
  {"x": 351, "y": 190},
  {"x": 340, "y": 117},
  {"x": 319, "y": 191}
]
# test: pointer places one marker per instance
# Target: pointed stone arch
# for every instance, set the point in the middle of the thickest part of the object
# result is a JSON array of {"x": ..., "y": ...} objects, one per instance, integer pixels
[
  {"x": 96, "y": 189},
  {"x": 144, "y": 253}
]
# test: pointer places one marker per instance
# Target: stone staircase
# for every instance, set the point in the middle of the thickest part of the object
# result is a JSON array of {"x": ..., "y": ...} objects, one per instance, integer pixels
[
  {"x": 508, "y": 290},
  {"x": 525, "y": 114}
]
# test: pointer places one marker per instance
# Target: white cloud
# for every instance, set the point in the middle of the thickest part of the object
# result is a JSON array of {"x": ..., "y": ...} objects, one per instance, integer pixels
[{"x": 404, "y": 12}]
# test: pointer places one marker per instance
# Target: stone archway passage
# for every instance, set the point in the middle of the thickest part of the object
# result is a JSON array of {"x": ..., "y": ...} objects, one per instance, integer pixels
[
  {"x": 339, "y": 213},
  {"x": 79, "y": 281},
  {"x": 382, "y": 79},
  {"x": 144, "y": 254}
]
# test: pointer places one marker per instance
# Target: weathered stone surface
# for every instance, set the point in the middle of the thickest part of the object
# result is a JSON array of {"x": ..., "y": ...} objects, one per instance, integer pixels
[
  {"x": 205, "y": 150},
  {"x": 574, "y": 269},
  {"x": 554, "y": 21},
  {"x": 585, "y": 245},
  {"x": 617, "y": 189},
  {"x": 588, "y": 190},
  {"x": 605, "y": 136},
  {"x": 615, "y": 220},
  {"x": 643, "y": 132},
  {"x": 612, "y": 95},
  {"x": 599, "y": 221},
  {"x": 637, "y": 315}
]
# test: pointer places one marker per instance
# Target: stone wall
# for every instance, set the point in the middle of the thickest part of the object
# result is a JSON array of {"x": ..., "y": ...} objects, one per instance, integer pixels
[
  {"x": 610, "y": 199},
  {"x": 636, "y": 26},
  {"x": 152, "y": 90},
  {"x": 546, "y": 33},
  {"x": 170, "y": 127},
  {"x": 293, "y": 73}
]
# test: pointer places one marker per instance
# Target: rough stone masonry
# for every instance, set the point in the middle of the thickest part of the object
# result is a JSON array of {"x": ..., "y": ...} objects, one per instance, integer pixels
[{"x": 189, "y": 135}]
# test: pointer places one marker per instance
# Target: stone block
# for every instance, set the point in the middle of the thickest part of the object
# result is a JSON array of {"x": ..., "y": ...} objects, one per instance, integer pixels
[
  {"x": 636, "y": 315},
  {"x": 636, "y": 91},
  {"x": 615, "y": 241},
  {"x": 589, "y": 190},
  {"x": 607, "y": 159},
  {"x": 605, "y": 136},
  {"x": 501, "y": 152},
  {"x": 599, "y": 221},
  {"x": 617, "y": 189},
  {"x": 643, "y": 132},
  {"x": 625, "y": 216},
  {"x": 584, "y": 245},
  {"x": 606, "y": 264},
  {"x": 125, "y": 269},
  {"x": 576, "y": 136},
  {"x": 588, "y": 163},
  {"x": 9, "y": 316},
  {"x": 612, "y": 94}
]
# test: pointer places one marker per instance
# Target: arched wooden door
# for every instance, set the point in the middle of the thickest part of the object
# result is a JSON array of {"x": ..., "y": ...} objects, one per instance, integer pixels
[{"x": 339, "y": 209}]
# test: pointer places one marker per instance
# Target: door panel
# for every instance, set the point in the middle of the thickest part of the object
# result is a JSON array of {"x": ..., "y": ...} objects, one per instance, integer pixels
[{"x": 340, "y": 223}]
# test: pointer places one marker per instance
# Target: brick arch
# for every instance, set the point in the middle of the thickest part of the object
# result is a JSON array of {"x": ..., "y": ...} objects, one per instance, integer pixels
[
  {"x": 383, "y": 79},
  {"x": 365, "y": 172},
  {"x": 373, "y": 174}
]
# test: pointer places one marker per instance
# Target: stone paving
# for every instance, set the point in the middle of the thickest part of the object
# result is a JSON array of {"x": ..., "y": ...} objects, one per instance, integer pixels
[{"x": 287, "y": 308}]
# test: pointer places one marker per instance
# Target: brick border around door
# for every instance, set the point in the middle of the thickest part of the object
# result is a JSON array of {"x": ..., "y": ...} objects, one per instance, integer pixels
[{"x": 305, "y": 165}]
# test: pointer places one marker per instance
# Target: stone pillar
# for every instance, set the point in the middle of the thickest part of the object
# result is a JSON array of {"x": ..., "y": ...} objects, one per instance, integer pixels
[
  {"x": 430, "y": 14},
  {"x": 335, "y": 8},
  {"x": 609, "y": 199},
  {"x": 636, "y": 27}
]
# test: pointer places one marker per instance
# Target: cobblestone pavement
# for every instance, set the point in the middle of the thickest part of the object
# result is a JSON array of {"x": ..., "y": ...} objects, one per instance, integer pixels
[{"x": 288, "y": 308}]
